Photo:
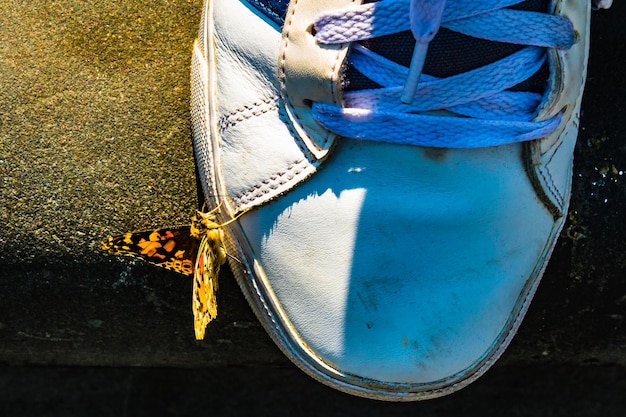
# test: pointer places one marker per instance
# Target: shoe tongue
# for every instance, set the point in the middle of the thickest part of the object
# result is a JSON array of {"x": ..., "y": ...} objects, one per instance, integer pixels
[{"x": 449, "y": 53}]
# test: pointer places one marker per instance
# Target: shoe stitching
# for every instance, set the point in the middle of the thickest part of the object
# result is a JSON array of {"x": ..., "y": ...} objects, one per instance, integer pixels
[
  {"x": 528, "y": 295},
  {"x": 281, "y": 67},
  {"x": 282, "y": 77},
  {"x": 274, "y": 182},
  {"x": 246, "y": 112},
  {"x": 558, "y": 10},
  {"x": 547, "y": 176},
  {"x": 549, "y": 161},
  {"x": 284, "y": 117}
]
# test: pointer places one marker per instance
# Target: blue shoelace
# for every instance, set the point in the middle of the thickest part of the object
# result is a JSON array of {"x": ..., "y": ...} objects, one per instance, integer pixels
[{"x": 469, "y": 110}]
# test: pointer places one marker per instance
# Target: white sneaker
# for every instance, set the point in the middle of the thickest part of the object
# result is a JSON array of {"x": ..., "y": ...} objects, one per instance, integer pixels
[{"x": 390, "y": 250}]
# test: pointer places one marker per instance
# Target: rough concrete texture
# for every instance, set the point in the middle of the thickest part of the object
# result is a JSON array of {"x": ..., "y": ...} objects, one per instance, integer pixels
[{"x": 95, "y": 140}]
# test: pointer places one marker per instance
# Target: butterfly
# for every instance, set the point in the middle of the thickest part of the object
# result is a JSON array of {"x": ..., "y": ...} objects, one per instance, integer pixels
[{"x": 197, "y": 249}]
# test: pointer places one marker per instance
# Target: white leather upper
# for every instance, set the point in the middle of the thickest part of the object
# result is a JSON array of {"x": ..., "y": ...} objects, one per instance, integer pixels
[
  {"x": 260, "y": 158},
  {"x": 395, "y": 290},
  {"x": 393, "y": 263}
]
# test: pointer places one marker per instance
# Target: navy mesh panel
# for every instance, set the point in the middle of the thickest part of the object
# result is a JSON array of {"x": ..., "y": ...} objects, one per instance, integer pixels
[
  {"x": 449, "y": 53},
  {"x": 274, "y": 9}
]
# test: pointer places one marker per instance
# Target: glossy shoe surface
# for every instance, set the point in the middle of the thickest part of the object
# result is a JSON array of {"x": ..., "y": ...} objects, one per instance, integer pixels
[{"x": 395, "y": 271}]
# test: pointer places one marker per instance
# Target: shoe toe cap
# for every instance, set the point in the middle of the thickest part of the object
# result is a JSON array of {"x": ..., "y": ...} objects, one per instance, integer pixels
[{"x": 424, "y": 297}]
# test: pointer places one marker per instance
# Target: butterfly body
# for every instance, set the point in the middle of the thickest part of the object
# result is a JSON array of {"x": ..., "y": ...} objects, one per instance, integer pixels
[{"x": 196, "y": 250}]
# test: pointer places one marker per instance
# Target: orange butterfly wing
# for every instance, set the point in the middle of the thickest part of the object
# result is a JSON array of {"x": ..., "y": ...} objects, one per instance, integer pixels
[
  {"x": 197, "y": 249},
  {"x": 175, "y": 249},
  {"x": 211, "y": 256}
]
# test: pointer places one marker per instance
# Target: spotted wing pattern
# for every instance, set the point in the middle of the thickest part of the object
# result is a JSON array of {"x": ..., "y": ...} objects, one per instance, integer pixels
[
  {"x": 196, "y": 250},
  {"x": 175, "y": 249},
  {"x": 211, "y": 256}
]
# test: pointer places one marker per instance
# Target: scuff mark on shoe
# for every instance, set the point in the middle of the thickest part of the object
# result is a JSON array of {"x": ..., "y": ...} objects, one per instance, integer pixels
[
  {"x": 368, "y": 301},
  {"x": 435, "y": 154}
]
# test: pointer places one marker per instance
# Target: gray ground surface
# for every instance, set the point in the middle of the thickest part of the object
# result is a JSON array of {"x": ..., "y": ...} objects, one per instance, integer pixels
[{"x": 95, "y": 140}]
